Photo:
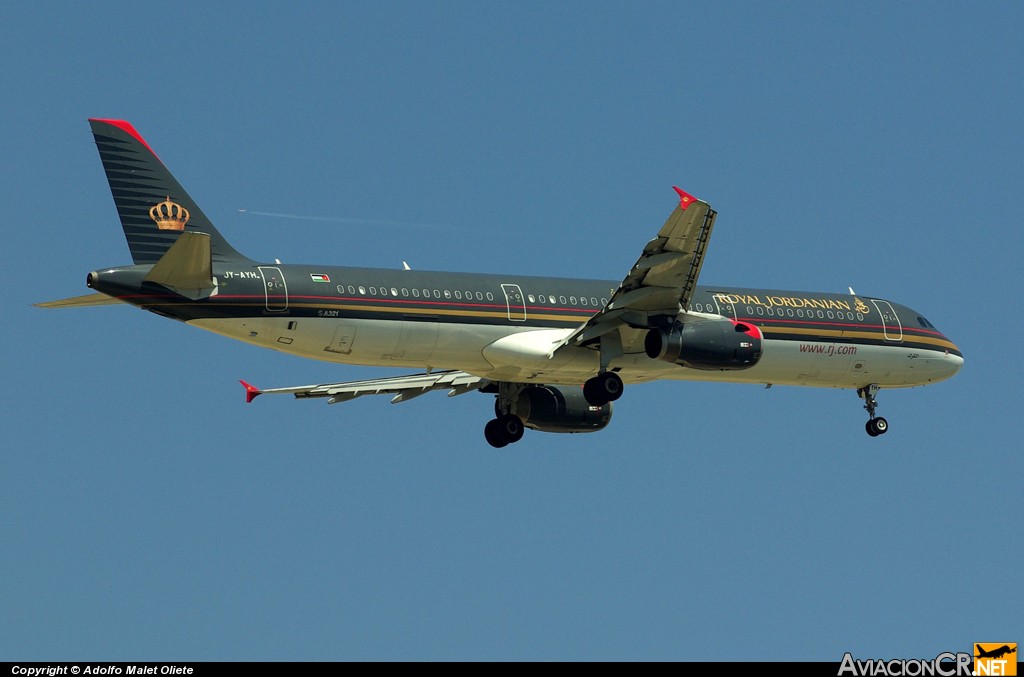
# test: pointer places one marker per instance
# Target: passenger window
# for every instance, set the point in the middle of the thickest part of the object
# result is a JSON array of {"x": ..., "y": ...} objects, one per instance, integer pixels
[
  {"x": 604, "y": 301},
  {"x": 394, "y": 292},
  {"x": 416, "y": 293},
  {"x": 373, "y": 291},
  {"x": 437, "y": 294},
  {"x": 561, "y": 299},
  {"x": 458, "y": 294},
  {"x": 479, "y": 296},
  {"x": 405, "y": 292},
  {"x": 362, "y": 289},
  {"x": 351, "y": 289},
  {"x": 447, "y": 293},
  {"x": 572, "y": 300},
  {"x": 531, "y": 298},
  {"x": 593, "y": 301},
  {"x": 490, "y": 296}
]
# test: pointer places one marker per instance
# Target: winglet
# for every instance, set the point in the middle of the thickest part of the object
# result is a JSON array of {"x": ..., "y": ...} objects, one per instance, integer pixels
[
  {"x": 251, "y": 391},
  {"x": 685, "y": 199}
]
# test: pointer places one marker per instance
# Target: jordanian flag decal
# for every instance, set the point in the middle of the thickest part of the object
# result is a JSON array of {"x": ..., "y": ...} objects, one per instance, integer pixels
[{"x": 316, "y": 277}]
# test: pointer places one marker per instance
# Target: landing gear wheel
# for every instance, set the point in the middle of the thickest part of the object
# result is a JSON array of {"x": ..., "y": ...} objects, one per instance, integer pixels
[
  {"x": 504, "y": 430},
  {"x": 604, "y": 388},
  {"x": 881, "y": 425},
  {"x": 877, "y": 426},
  {"x": 492, "y": 433},
  {"x": 511, "y": 427}
]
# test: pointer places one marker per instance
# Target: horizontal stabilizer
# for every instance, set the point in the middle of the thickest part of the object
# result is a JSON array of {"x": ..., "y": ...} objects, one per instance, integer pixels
[
  {"x": 186, "y": 265},
  {"x": 96, "y": 299}
]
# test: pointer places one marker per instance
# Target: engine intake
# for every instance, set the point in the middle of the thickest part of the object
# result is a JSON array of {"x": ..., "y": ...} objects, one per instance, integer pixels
[
  {"x": 560, "y": 409},
  {"x": 709, "y": 345}
]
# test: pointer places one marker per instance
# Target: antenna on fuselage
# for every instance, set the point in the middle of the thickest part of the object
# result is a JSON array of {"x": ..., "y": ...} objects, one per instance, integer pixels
[
  {"x": 405, "y": 266},
  {"x": 852, "y": 293}
]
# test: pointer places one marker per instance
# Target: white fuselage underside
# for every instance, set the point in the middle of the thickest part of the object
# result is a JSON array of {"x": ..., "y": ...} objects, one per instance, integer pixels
[{"x": 520, "y": 354}]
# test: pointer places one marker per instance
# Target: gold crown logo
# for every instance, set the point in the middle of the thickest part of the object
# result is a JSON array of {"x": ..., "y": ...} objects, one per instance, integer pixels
[{"x": 169, "y": 215}]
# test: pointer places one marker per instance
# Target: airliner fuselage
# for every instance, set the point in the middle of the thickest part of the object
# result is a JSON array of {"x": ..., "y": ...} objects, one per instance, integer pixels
[{"x": 502, "y": 326}]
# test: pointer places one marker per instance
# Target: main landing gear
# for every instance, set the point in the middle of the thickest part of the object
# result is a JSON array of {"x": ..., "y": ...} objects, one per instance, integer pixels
[
  {"x": 505, "y": 428},
  {"x": 876, "y": 425},
  {"x": 604, "y": 388}
]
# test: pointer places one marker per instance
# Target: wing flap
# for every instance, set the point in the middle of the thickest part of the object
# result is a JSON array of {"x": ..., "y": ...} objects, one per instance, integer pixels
[{"x": 404, "y": 388}]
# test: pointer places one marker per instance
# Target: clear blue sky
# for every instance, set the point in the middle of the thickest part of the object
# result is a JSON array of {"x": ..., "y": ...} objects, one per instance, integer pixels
[{"x": 147, "y": 512}]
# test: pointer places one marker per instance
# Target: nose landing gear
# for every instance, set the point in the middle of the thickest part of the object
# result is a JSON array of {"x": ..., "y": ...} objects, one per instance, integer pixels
[{"x": 876, "y": 425}]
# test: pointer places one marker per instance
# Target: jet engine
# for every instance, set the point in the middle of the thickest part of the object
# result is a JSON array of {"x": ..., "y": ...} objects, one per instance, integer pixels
[
  {"x": 708, "y": 345},
  {"x": 560, "y": 409}
]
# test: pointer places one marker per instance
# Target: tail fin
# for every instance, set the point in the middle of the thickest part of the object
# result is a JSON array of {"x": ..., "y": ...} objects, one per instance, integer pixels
[{"x": 153, "y": 206}]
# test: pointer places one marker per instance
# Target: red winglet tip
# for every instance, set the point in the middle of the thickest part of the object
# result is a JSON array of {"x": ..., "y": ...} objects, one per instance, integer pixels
[
  {"x": 251, "y": 391},
  {"x": 685, "y": 199}
]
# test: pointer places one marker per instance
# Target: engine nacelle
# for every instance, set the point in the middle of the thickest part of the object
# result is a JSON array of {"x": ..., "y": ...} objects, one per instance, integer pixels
[
  {"x": 560, "y": 409},
  {"x": 708, "y": 345}
]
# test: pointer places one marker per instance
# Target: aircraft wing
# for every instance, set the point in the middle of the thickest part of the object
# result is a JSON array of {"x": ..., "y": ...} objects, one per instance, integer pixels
[
  {"x": 662, "y": 280},
  {"x": 403, "y": 388}
]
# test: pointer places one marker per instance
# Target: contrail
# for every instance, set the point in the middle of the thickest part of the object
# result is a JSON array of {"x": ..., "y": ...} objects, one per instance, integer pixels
[{"x": 340, "y": 219}]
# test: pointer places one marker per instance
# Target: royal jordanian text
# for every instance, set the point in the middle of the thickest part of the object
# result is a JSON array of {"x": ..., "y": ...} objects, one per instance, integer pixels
[
  {"x": 786, "y": 302},
  {"x": 945, "y": 664}
]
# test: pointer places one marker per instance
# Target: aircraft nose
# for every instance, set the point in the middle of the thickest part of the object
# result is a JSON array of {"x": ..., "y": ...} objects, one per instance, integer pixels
[{"x": 949, "y": 365}]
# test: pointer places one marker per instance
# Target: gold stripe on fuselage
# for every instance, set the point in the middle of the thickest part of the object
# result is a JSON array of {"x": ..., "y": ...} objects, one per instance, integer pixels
[{"x": 844, "y": 333}]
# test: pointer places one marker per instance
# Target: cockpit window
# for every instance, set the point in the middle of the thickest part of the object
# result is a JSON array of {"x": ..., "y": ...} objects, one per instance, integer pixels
[{"x": 925, "y": 323}]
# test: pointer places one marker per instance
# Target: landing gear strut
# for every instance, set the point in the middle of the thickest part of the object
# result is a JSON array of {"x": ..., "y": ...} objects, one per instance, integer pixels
[
  {"x": 876, "y": 425},
  {"x": 606, "y": 386}
]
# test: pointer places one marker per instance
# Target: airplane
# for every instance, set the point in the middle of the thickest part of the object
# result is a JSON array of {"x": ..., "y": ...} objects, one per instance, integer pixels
[
  {"x": 554, "y": 352},
  {"x": 995, "y": 653}
]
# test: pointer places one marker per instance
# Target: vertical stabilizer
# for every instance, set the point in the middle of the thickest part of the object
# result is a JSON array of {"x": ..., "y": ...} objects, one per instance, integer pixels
[{"x": 153, "y": 207}]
